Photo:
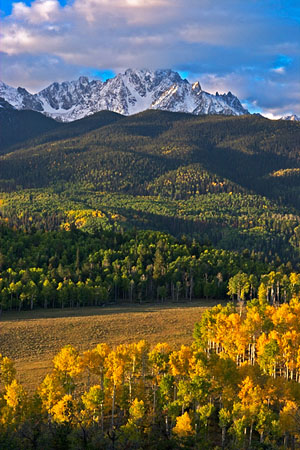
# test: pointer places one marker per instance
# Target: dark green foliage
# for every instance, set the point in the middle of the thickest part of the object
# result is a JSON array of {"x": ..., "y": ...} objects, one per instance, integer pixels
[
  {"x": 70, "y": 130},
  {"x": 138, "y": 149},
  {"x": 229, "y": 181},
  {"x": 72, "y": 268},
  {"x": 18, "y": 126}
]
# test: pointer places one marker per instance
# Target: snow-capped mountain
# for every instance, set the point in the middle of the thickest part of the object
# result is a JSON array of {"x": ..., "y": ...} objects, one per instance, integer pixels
[
  {"x": 128, "y": 93},
  {"x": 293, "y": 117}
]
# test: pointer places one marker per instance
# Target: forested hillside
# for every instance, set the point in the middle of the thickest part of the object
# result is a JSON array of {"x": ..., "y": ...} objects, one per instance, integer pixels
[
  {"x": 233, "y": 182},
  {"x": 18, "y": 126}
]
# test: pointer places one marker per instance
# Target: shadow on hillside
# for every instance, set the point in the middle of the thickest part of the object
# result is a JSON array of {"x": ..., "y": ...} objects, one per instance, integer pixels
[{"x": 105, "y": 310}]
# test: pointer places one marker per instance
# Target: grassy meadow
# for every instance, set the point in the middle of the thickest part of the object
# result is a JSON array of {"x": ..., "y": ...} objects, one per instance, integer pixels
[{"x": 32, "y": 338}]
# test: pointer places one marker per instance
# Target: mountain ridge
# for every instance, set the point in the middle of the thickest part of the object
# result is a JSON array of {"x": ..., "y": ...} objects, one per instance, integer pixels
[{"x": 129, "y": 93}]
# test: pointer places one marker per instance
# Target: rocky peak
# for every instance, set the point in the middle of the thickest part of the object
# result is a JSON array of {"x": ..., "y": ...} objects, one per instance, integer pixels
[
  {"x": 127, "y": 93},
  {"x": 84, "y": 81},
  {"x": 196, "y": 87}
]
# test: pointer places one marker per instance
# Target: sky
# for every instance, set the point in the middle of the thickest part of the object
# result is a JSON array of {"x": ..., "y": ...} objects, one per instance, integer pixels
[{"x": 248, "y": 47}]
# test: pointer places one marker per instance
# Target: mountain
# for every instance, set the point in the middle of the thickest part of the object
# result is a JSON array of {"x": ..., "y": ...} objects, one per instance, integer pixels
[
  {"x": 128, "y": 93},
  {"x": 293, "y": 117},
  {"x": 18, "y": 126}
]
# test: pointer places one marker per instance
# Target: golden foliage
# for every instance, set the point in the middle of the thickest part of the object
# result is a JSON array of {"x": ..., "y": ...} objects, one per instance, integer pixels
[{"x": 183, "y": 426}]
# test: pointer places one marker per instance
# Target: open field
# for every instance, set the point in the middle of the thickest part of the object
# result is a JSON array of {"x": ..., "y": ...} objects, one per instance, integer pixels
[{"x": 32, "y": 338}]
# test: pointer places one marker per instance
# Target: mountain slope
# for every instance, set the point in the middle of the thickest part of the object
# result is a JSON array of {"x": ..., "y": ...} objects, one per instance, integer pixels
[
  {"x": 231, "y": 181},
  {"x": 18, "y": 126},
  {"x": 127, "y": 155},
  {"x": 128, "y": 93}
]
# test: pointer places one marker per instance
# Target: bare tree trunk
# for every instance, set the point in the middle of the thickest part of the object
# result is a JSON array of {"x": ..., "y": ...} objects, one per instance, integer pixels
[
  {"x": 223, "y": 436},
  {"x": 113, "y": 406},
  {"x": 250, "y": 435}
]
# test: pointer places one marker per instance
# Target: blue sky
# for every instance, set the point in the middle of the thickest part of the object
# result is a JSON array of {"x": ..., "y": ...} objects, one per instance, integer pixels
[{"x": 250, "y": 47}]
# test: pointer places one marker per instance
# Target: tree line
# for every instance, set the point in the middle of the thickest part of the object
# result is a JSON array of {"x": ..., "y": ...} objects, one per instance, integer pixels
[{"x": 72, "y": 268}]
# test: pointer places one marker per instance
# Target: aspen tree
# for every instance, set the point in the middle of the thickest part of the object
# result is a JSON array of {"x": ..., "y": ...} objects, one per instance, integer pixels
[
  {"x": 63, "y": 411},
  {"x": 50, "y": 391},
  {"x": 158, "y": 361},
  {"x": 16, "y": 400},
  {"x": 93, "y": 403},
  {"x": 115, "y": 363},
  {"x": 67, "y": 366},
  {"x": 183, "y": 426},
  {"x": 7, "y": 370}
]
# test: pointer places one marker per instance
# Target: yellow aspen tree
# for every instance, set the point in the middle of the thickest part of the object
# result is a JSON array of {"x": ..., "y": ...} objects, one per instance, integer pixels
[
  {"x": 251, "y": 398},
  {"x": 115, "y": 365},
  {"x": 102, "y": 350},
  {"x": 233, "y": 342},
  {"x": 290, "y": 343},
  {"x": 295, "y": 283},
  {"x": 94, "y": 361},
  {"x": 16, "y": 399},
  {"x": 63, "y": 410},
  {"x": 298, "y": 365},
  {"x": 295, "y": 308},
  {"x": 137, "y": 367},
  {"x": 139, "y": 358},
  {"x": 67, "y": 366},
  {"x": 281, "y": 317},
  {"x": 50, "y": 391},
  {"x": 252, "y": 329},
  {"x": 180, "y": 361},
  {"x": 7, "y": 370},
  {"x": 183, "y": 426}
]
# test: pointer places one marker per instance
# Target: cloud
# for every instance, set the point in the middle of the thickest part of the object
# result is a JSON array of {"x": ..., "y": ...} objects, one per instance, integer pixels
[
  {"x": 40, "y": 11},
  {"x": 251, "y": 48},
  {"x": 279, "y": 70}
]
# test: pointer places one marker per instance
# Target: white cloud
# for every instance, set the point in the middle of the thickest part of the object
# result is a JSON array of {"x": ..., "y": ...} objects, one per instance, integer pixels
[
  {"x": 272, "y": 116},
  {"x": 229, "y": 47},
  {"x": 279, "y": 70},
  {"x": 40, "y": 11}
]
